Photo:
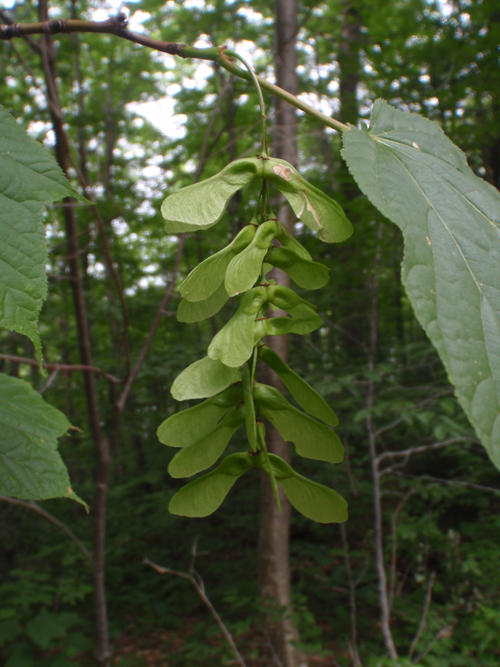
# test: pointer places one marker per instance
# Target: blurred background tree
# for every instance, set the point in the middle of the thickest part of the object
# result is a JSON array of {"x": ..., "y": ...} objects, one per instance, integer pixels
[{"x": 414, "y": 572}]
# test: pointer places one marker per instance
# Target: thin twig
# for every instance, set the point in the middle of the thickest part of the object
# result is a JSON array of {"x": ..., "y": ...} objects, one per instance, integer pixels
[
  {"x": 61, "y": 367},
  {"x": 424, "y": 448},
  {"x": 418, "y": 406},
  {"x": 199, "y": 587},
  {"x": 30, "y": 504},
  {"x": 108, "y": 257},
  {"x": 394, "y": 550},
  {"x": 438, "y": 480},
  {"x": 117, "y": 26},
  {"x": 445, "y": 632},
  {"x": 159, "y": 314},
  {"x": 50, "y": 381},
  {"x": 425, "y": 613},
  {"x": 353, "y": 647}
]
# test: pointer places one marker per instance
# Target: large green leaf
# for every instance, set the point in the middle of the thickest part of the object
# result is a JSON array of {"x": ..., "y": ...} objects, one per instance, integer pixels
[
  {"x": 188, "y": 426},
  {"x": 312, "y": 439},
  {"x": 313, "y": 207},
  {"x": 450, "y": 220},
  {"x": 207, "y": 276},
  {"x": 203, "y": 453},
  {"x": 29, "y": 180},
  {"x": 201, "y": 205},
  {"x": 205, "y": 494},
  {"x": 307, "y": 397},
  {"x": 246, "y": 267},
  {"x": 304, "y": 272},
  {"x": 196, "y": 311},
  {"x": 202, "y": 379},
  {"x": 313, "y": 500},
  {"x": 30, "y": 465}
]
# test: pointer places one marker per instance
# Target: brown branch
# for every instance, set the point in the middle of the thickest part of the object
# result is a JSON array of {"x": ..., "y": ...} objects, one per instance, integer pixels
[
  {"x": 61, "y": 367},
  {"x": 197, "y": 583},
  {"x": 425, "y": 613},
  {"x": 159, "y": 314},
  {"x": 48, "y": 56},
  {"x": 30, "y": 504},
  {"x": 353, "y": 644},
  {"x": 385, "y": 611},
  {"x": 444, "y": 633},
  {"x": 108, "y": 258},
  {"x": 418, "y": 406},
  {"x": 439, "y": 480},
  {"x": 394, "y": 549},
  {"x": 424, "y": 448},
  {"x": 117, "y": 26}
]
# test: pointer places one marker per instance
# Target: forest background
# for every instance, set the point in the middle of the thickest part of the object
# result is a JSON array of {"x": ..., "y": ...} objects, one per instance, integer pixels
[{"x": 439, "y": 492}]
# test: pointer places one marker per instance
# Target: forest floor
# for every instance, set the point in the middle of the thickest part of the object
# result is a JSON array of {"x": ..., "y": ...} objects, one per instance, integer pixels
[{"x": 176, "y": 648}]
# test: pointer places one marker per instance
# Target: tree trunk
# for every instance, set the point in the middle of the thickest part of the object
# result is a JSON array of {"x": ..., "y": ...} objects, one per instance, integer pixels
[
  {"x": 274, "y": 569},
  {"x": 48, "y": 55}
]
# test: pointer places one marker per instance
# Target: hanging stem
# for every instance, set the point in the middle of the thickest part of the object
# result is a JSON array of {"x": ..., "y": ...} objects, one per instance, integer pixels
[
  {"x": 233, "y": 54},
  {"x": 261, "y": 439}
]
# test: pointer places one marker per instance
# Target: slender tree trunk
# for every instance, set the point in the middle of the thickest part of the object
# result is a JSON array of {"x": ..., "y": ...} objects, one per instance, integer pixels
[
  {"x": 372, "y": 445},
  {"x": 274, "y": 538},
  {"x": 102, "y": 445}
]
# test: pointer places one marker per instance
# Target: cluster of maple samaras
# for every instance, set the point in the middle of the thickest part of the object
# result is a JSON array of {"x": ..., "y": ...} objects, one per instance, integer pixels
[{"x": 224, "y": 376}]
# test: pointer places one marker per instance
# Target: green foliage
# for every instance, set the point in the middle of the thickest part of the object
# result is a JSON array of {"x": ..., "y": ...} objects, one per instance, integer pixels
[
  {"x": 307, "y": 397},
  {"x": 202, "y": 205},
  {"x": 30, "y": 179},
  {"x": 451, "y": 224},
  {"x": 237, "y": 269},
  {"x": 203, "y": 378},
  {"x": 30, "y": 465},
  {"x": 206, "y": 494}
]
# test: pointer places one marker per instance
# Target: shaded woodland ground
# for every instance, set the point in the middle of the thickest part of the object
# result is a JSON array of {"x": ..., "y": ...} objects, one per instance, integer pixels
[{"x": 371, "y": 360}]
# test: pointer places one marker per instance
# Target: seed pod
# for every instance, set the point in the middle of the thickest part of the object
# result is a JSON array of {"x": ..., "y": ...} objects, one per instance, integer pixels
[
  {"x": 204, "y": 452},
  {"x": 307, "y": 274},
  {"x": 202, "y": 379},
  {"x": 196, "y": 311},
  {"x": 312, "y": 439},
  {"x": 307, "y": 397},
  {"x": 205, "y": 494},
  {"x": 188, "y": 426},
  {"x": 201, "y": 205},
  {"x": 233, "y": 344},
  {"x": 208, "y": 276},
  {"x": 313, "y": 207},
  {"x": 313, "y": 500},
  {"x": 245, "y": 268}
]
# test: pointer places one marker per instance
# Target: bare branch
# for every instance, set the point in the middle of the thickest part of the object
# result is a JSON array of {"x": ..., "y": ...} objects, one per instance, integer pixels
[
  {"x": 30, "y": 504},
  {"x": 445, "y": 632},
  {"x": 159, "y": 314},
  {"x": 199, "y": 587},
  {"x": 61, "y": 367},
  {"x": 117, "y": 26},
  {"x": 424, "y": 448},
  {"x": 423, "y": 620},
  {"x": 394, "y": 550},
  {"x": 50, "y": 381},
  {"x": 353, "y": 648},
  {"x": 418, "y": 406},
  {"x": 454, "y": 482}
]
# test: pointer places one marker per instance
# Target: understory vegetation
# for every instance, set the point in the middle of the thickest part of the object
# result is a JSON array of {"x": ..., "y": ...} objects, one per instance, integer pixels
[{"x": 436, "y": 487}]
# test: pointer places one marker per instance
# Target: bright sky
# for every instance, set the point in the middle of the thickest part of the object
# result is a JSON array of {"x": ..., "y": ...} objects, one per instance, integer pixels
[{"x": 161, "y": 113}]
